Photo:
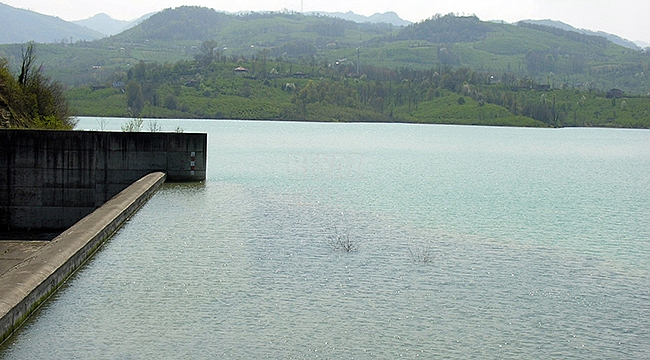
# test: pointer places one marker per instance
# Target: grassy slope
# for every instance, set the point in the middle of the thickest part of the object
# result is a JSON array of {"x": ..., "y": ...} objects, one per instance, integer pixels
[{"x": 447, "y": 110}]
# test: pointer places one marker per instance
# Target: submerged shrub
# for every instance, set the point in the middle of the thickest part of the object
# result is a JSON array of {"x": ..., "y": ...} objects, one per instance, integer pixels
[
  {"x": 153, "y": 126},
  {"x": 422, "y": 253},
  {"x": 133, "y": 125},
  {"x": 342, "y": 242}
]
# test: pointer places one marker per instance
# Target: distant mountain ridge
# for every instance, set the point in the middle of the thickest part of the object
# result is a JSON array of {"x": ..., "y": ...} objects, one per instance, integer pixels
[
  {"x": 21, "y": 26},
  {"x": 387, "y": 17},
  {"x": 611, "y": 37},
  {"x": 108, "y": 26}
]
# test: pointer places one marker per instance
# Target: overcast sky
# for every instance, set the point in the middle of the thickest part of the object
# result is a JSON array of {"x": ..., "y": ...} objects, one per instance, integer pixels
[{"x": 627, "y": 18}]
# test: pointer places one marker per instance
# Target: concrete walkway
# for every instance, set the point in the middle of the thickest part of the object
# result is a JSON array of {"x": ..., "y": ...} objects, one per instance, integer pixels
[
  {"x": 13, "y": 252},
  {"x": 30, "y": 271}
]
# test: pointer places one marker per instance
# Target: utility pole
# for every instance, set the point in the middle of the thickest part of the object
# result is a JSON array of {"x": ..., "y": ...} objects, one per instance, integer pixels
[
  {"x": 359, "y": 52},
  {"x": 358, "y": 57}
]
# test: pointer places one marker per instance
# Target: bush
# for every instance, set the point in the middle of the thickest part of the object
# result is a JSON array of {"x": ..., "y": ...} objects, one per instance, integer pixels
[
  {"x": 342, "y": 242},
  {"x": 133, "y": 125},
  {"x": 421, "y": 253},
  {"x": 32, "y": 100}
]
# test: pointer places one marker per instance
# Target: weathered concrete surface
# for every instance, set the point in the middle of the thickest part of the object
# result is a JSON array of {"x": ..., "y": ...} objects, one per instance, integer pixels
[
  {"x": 25, "y": 285},
  {"x": 13, "y": 253},
  {"x": 51, "y": 179}
]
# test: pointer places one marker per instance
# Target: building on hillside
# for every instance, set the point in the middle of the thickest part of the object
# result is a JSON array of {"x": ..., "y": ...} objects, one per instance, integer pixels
[{"x": 615, "y": 93}]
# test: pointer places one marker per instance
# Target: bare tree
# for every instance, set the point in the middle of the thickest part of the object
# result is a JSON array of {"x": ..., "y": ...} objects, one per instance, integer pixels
[
  {"x": 153, "y": 126},
  {"x": 342, "y": 242},
  {"x": 422, "y": 253},
  {"x": 27, "y": 65}
]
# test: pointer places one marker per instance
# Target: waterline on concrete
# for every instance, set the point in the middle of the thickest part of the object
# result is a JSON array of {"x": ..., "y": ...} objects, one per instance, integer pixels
[{"x": 27, "y": 285}]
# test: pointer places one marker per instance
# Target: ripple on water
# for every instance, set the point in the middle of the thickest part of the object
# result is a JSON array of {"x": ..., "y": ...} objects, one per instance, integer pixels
[{"x": 524, "y": 264}]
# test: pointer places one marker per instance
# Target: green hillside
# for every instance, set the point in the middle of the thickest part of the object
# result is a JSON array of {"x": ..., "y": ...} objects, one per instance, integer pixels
[
  {"x": 448, "y": 69},
  {"x": 547, "y": 55},
  {"x": 281, "y": 90}
]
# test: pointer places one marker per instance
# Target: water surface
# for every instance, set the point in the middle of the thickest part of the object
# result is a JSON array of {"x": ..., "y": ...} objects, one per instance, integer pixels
[{"x": 538, "y": 239}]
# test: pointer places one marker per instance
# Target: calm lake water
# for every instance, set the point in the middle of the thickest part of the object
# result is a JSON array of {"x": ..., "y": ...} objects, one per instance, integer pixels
[{"x": 538, "y": 243}]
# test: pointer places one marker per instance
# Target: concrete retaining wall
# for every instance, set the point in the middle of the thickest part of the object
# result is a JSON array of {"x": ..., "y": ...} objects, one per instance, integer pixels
[
  {"x": 26, "y": 286},
  {"x": 51, "y": 179}
]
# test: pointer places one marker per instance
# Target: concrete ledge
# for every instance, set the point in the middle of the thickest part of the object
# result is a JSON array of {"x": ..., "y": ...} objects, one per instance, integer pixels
[{"x": 28, "y": 284}]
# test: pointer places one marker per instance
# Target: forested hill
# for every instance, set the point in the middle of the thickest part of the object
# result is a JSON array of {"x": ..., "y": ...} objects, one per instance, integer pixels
[
  {"x": 239, "y": 32},
  {"x": 185, "y": 23},
  {"x": 546, "y": 54},
  {"x": 448, "y": 29}
]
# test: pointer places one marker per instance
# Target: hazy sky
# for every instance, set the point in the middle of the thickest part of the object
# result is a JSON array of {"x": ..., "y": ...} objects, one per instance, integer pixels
[{"x": 627, "y": 18}]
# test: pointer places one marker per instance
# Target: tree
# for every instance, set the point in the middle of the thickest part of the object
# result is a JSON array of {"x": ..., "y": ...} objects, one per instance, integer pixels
[
  {"x": 32, "y": 100},
  {"x": 27, "y": 65},
  {"x": 208, "y": 52},
  {"x": 134, "y": 98}
]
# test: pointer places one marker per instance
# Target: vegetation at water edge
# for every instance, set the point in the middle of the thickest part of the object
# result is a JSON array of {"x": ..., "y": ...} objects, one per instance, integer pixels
[{"x": 31, "y": 100}]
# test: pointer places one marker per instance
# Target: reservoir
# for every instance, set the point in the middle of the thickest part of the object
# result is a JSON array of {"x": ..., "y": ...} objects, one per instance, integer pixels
[{"x": 469, "y": 242}]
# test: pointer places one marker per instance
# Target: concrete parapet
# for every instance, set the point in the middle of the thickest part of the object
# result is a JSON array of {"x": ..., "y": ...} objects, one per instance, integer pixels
[
  {"x": 24, "y": 287},
  {"x": 72, "y": 170}
]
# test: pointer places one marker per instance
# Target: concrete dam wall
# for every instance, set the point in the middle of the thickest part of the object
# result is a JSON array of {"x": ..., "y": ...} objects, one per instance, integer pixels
[
  {"x": 26, "y": 285},
  {"x": 51, "y": 179}
]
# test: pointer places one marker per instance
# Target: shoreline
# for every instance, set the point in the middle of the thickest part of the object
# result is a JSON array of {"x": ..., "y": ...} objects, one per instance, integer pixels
[{"x": 354, "y": 122}]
